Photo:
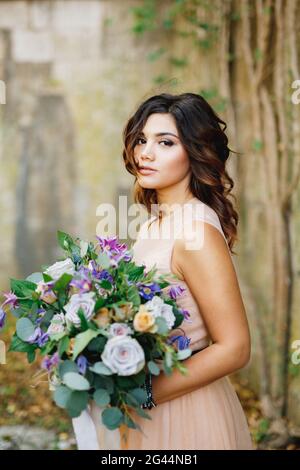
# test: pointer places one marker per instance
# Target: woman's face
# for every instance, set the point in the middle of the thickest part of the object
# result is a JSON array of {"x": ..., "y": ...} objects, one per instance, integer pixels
[{"x": 163, "y": 153}]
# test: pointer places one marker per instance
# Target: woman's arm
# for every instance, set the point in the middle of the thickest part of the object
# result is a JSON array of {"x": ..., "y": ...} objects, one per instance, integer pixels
[{"x": 210, "y": 275}]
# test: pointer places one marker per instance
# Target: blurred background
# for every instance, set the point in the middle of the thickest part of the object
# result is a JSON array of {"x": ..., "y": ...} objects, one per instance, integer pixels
[{"x": 72, "y": 73}]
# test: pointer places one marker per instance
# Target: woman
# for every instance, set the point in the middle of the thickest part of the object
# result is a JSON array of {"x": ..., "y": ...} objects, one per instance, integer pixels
[{"x": 180, "y": 140}]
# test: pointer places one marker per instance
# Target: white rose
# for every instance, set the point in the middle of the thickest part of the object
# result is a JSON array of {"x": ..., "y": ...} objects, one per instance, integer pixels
[
  {"x": 61, "y": 267},
  {"x": 57, "y": 324},
  {"x": 120, "y": 329},
  {"x": 159, "y": 309},
  {"x": 123, "y": 355},
  {"x": 84, "y": 301}
]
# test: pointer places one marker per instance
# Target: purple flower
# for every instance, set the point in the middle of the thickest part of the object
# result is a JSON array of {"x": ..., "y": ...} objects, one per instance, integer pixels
[
  {"x": 11, "y": 299},
  {"x": 84, "y": 285},
  {"x": 186, "y": 315},
  {"x": 41, "y": 312},
  {"x": 176, "y": 291},
  {"x": 82, "y": 364},
  {"x": 115, "y": 250},
  {"x": 105, "y": 275},
  {"x": 148, "y": 291},
  {"x": 182, "y": 341},
  {"x": 49, "y": 362},
  {"x": 38, "y": 337},
  {"x": 2, "y": 318},
  {"x": 94, "y": 269}
]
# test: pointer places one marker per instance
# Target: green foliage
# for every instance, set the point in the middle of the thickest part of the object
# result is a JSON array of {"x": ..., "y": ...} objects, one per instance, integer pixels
[
  {"x": 101, "y": 369},
  {"x": 112, "y": 418},
  {"x": 101, "y": 397},
  {"x": 22, "y": 288},
  {"x": 75, "y": 381},
  {"x": 25, "y": 328},
  {"x": 262, "y": 431},
  {"x": 82, "y": 340}
]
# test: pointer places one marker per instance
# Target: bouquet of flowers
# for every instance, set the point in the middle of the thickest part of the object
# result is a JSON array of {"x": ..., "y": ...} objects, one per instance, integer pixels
[{"x": 102, "y": 323}]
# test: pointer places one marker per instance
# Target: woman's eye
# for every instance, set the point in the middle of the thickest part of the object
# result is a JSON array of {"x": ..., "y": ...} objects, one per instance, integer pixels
[{"x": 166, "y": 142}]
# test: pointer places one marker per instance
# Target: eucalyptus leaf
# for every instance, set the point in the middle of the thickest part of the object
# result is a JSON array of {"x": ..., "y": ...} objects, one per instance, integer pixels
[
  {"x": 162, "y": 326},
  {"x": 101, "y": 397},
  {"x": 76, "y": 381},
  {"x": 101, "y": 369},
  {"x": 153, "y": 368},
  {"x": 112, "y": 418},
  {"x": 65, "y": 367},
  {"x": 25, "y": 328},
  {"x": 62, "y": 395},
  {"x": 184, "y": 354}
]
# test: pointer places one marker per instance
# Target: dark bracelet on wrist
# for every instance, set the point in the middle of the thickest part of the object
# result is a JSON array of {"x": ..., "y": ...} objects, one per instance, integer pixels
[{"x": 149, "y": 403}]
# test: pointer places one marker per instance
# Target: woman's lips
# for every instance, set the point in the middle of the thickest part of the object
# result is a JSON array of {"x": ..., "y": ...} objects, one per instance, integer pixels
[{"x": 146, "y": 171}]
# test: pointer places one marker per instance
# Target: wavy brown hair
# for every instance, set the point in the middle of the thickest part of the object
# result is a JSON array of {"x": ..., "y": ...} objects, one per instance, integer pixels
[{"x": 199, "y": 129}]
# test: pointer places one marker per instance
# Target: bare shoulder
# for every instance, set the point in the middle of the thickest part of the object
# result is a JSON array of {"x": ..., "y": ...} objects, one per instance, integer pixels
[{"x": 209, "y": 249}]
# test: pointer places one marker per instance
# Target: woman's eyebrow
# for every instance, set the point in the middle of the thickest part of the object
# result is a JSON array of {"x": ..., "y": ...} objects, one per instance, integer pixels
[{"x": 163, "y": 133}]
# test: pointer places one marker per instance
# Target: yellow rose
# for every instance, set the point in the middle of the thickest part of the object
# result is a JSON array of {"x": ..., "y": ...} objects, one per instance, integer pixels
[
  {"x": 122, "y": 312},
  {"x": 144, "y": 321},
  {"x": 71, "y": 347},
  {"x": 102, "y": 317}
]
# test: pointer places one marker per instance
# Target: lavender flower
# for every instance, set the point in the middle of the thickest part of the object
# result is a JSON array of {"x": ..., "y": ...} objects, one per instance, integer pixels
[
  {"x": 38, "y": 337},
  {"x": 148, "y": 291},
  {"x": 82, "y": 364},
  {"x": 182, "y": 341},
  {"x": 2, "y": 318},
  {"x": 176, "y": 291},
  {"x": 49, "y": 362},
  {"x": 186, "y": 314},
  {"x": 11, "y": 299},
  {"x": 116, "y": 251},
  {"x": 41, "y": 312}
]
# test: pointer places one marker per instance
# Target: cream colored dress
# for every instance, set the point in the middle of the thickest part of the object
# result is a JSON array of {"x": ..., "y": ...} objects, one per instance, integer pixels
[{"x": 210, "y": 417}]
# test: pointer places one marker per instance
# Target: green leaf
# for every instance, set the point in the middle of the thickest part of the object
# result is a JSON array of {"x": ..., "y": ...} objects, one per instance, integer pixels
[
  {"x": 63, "y": 345},
  {"x": 103, "y": 260},
  {"x": 31, "y": 356},
  {"x": 139, "y": 395},
  {"x": 130, "y": 423},
  {"x": 183, "y": 354},
  {"x": 25, "y": 328},
  {"x": 97, "y": 344},
  {"x": 35, "y": 277},
  {"x": 22, "y": 288},
  {"x": 162, "y": 326},
  {"x": 134, "y": 296},
  {"x": 62, "y": 395},
  {"x": 46, "y": 277},
  {"x": 20, "y": 346},
  {"x": 101, "y": 369},
  {"x": 112, "y": 418},
  {"x": 63, "y": 281},
  {"x": 77, "y": 402},
  {"x": 47, "y": 318},
  {"x": 168, "y": 359},
  {"x": 82, "y": 340},
  {"x": 105, "y": 284},
  {"x": 141, "y": 412},
  {"x": 65, "y": 241},
  {"x": 99, "y": 303},
  {"x": 65, "y": 367},
  {"x": 101, "y": 397},
  {"x": 83, "y": 320},
  {"x": 153, "y": 368},
  {"x": 76, "y": 381}
]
